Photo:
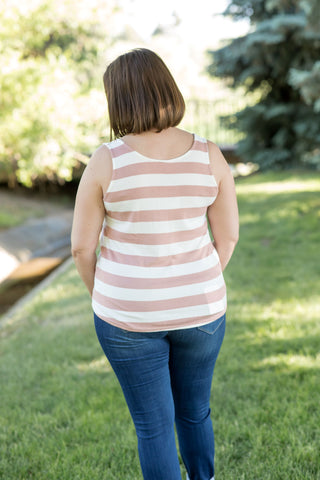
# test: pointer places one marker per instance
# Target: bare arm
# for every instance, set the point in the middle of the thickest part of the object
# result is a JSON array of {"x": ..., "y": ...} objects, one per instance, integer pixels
[
  {"x": 89, "y": 214},
  {"x": 223, "y": 213}
]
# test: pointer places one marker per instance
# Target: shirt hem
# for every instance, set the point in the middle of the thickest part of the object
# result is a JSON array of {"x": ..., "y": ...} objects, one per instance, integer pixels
[{"x": 145, "y": 328}]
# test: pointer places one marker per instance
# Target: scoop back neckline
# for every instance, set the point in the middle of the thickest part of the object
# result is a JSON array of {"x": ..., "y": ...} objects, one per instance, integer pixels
[{"x": 161, "y": 159}]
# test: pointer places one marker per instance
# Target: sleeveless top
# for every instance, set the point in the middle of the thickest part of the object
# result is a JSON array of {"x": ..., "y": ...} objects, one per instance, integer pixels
[{"x": 157, "y": 268}]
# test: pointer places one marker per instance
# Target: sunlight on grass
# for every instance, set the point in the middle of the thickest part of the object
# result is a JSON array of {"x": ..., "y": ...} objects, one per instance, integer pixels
[
  {"x": 297, "y": 312},
  {"x": 99, "y": 365},
  {"x": 289, "y": 185},
  {"x": 249, "y": 218},
  {"x": 291, "y": 362}
]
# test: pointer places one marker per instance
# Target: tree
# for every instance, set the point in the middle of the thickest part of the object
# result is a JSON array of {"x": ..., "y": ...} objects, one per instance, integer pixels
[
  {"x": 278, "y": 60},
  {"x": 51, "y": 54}
]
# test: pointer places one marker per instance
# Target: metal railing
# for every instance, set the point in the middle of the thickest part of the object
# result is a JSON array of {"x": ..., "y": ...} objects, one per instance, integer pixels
[{"x": 204, "y": 118}]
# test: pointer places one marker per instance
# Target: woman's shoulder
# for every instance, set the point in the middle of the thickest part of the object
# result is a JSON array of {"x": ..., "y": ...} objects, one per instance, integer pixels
[
  {"x": 101, "y": 154},
  {"x": 100, "y": 165},
  {"x": 219, "y": 166}
]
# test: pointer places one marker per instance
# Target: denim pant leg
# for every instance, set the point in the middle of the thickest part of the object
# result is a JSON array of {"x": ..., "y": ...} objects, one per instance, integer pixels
[
  {"x": 141, "y": 363},
  {"x": 192, "y": 359}
]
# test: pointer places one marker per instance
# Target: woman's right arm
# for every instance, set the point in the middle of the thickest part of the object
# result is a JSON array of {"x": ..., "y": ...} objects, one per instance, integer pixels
[
  {"x": 223, "y": 213},
  {"x": 89, "y": 214}
]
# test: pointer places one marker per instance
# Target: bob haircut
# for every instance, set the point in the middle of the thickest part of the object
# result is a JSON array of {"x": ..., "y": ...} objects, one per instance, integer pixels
[{"x": 142, "y": 94}]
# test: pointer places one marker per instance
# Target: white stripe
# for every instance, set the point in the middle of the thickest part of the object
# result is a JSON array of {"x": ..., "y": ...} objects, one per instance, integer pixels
[
  {"x": 156, "y": 250},
  {"x": 168, "y": 226},
  {"x": 131, "y": 158},
  {"x": 162, "y": 180},
  {"x": 162, "y": 315},
  {"x": 134, "y": 271},
  {"x": 144, "y": 295},
  {"x": 114, "y": 144},
  {"x": 166, "y": 203}
]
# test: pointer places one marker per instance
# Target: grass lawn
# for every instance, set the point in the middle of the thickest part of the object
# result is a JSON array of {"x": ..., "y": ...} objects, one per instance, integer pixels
[
  {"x": 62, "y": 415},
  {"x": 18, "y": 207}
]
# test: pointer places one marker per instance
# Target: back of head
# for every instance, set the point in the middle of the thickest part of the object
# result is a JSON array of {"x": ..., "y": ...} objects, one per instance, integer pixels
[{"x": 142, "y": 94}]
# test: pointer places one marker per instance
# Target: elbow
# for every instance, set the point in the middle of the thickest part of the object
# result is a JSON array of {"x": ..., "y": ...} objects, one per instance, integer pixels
[
  {"x": 78, "y": 252},
  {"x": 233, "y": 235},
  {"x": 231, "y": 239},
  {"x": 75, "y": 252},
  {"x": 235, "y": 238}
]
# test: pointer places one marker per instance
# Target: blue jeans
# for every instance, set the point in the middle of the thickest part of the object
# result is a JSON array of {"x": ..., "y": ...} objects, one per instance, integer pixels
[{"x": 166, "y": 380}]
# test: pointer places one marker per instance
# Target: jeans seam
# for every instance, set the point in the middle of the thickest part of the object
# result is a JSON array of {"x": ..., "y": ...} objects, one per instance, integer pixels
[{"x": 202, "y": 328}]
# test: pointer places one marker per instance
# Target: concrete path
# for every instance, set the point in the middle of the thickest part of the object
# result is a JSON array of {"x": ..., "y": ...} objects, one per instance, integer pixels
[{"x": 37, "y": 238}]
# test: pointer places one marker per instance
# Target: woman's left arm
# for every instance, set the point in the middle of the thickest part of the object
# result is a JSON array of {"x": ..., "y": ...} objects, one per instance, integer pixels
[
  {"x": 223, "y": 213},
  {"x": 88, "y": 216}
]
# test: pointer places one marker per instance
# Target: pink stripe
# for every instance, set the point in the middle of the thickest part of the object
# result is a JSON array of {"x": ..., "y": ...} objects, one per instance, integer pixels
[
  {"x": 154, "y": 283},
  {"x": 158, "y": 215},
  {"x": 120, "y": 150},
  {"x": 159, "y": 305},
  {"x": 161, "y": 167},
  {"x": 152, "y": 239},
  {"x": 200, "y": 146},
  {"x": 144, "y": 261},
  {"x": 163, "y": 326},
  {"x": 162, "y": 192}
]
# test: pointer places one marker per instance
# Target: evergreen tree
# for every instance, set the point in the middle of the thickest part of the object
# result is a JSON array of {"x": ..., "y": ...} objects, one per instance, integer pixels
[{"x": 279, "y": 59}]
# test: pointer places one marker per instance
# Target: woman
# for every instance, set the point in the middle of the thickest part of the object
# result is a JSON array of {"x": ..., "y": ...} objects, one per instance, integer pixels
[{"x": 158, "y": 294}]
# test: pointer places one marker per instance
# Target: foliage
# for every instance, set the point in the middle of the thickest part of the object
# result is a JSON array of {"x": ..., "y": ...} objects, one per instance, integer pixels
[
  {"x": 51, "y": 51},
  {"x": 279, "y": 58},
  {"x": 58, "y": 392}
]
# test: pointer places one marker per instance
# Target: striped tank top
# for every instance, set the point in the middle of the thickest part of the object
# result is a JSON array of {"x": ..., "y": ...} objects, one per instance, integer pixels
[{"x": 157, "y": 268}]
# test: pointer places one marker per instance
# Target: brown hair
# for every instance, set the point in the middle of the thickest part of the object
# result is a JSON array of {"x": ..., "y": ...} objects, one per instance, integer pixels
[{"x": 142, "y": 94}]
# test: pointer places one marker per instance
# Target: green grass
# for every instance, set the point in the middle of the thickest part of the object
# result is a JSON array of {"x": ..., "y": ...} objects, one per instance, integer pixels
[
  {"x": 62, "y": 412},
  {"x": 17, "y": 208}
]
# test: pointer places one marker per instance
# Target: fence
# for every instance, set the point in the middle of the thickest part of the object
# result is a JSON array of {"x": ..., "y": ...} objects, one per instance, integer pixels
[{"x": 203, "y": 117}]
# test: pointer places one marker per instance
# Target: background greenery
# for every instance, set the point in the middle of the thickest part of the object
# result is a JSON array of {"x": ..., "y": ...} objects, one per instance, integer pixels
[
  {"x": 279, "y": 61},
  {"x": 51, "y": 108},
  {"x": 62, "y": 414}
]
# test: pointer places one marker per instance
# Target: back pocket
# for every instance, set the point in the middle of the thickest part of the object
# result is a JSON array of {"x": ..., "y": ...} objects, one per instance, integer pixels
[{"x": 211, "y": 328}]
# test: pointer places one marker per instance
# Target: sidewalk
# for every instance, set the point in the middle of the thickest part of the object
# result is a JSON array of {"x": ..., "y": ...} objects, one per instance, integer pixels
[{"x": 47, "y": 237}]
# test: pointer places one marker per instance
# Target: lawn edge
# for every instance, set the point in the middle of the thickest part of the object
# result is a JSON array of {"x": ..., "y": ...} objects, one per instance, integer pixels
[{"x": 7, "y": 316}]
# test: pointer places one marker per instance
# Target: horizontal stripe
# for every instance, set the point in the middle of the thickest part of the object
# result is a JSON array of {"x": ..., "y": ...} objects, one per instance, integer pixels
[
  {"x": 159, "y": 215},
  {"x": 156, "y": 250},
  {"x": 200, "y": 146},
  {"x": 158, "y": 261},
  {"x": 173, "y": 203},
  {"x": 163, "y": 168},
  {"x": 162, "y": 315},
  {"x": 165, "y": 325},
  {"x": 155, "y": 227},
  {"x": 161, "y": 192},
  {"x": 147, "y": 283},
  {"x": 127, "y": 158},
  {"x": 159, "y": 305},
  {"x": 155, "y": 239},
  {"x": 119, "y": 148},
  {"x": 155, "y": 294},
  {"x": 159, "y": 272},
  {"x": 161, "y": 180}
]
